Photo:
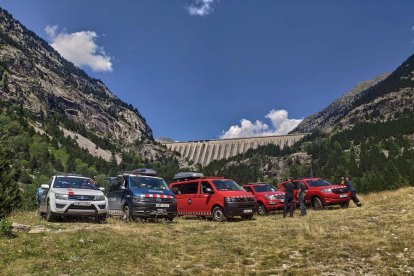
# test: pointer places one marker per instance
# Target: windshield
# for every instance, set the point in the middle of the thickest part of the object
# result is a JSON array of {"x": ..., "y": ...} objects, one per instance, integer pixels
[
  {"x": 74, "y": 183},
  {"x": 318, "y": 183},
  {"x": 150, "y": 183},
  {"x": 226, "y": 185},
  {"x": 265, "y": 188}
]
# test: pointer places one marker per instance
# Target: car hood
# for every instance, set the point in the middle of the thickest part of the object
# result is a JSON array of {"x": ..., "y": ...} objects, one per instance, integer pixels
[
  {"x": 272, "y": 193},
  {"x": 138, "y": 191},
  {"x": 66, "y": 191}
]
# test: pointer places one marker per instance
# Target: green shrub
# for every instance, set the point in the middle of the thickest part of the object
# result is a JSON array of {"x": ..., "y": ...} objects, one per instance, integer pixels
[{"x": 6, "y": 228}]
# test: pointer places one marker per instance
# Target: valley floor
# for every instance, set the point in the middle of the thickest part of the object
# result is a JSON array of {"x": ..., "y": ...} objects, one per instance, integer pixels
[{"x": 375, "y": 239}]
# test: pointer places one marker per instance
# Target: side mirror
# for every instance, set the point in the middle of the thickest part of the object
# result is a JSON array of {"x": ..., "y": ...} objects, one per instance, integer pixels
[
  {"x": 45, "y": 186},
  {"x": 209, "y": 190},
  {"x": 102, "y": 189}
]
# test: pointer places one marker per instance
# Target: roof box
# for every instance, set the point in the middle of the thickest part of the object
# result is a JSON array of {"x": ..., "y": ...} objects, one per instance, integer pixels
[
  {"x": 187, "y": 175},
  {"x": 144, "y": 171}
]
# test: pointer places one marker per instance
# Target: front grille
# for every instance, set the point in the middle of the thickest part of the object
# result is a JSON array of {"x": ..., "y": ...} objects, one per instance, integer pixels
[
  {"x": 79, "y": 207},
  {"x": 244, "y": 199},
  {"x": 82, "y": 197},
  {"x": 339, "y": 190},
  {"x": 244, "y": 206}
]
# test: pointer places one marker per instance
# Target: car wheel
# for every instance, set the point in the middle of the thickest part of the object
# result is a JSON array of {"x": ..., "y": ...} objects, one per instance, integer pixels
[
  {"x": 317, "y": 203},
  {"x": 344, "y": 204},
  {"x": 249, "y": 216},
  {"x": 101, "y": 219},
  {"x": 218, "y": 214},
  {"x": 261, "y": 210},
  {"x": 126, "y": 215},
  {"x": 170, "y": 218},
  {"x": 49, "y": 215}
]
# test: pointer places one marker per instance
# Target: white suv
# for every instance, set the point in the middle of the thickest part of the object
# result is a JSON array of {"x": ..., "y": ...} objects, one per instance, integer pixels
[{"x": 71, "y": 195}]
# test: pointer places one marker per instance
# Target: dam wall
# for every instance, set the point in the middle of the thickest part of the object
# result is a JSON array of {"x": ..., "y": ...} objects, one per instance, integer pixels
[{"x": 205, "y": 151}]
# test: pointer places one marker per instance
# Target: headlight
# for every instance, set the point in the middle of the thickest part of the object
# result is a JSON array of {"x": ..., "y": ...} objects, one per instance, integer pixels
[
  {"x": 327, "y": 191},
  {"x": 270, "y": 197},
  {"x": 61, "y": 196},
  {"x": 138, "y": 198},
  {"x": 100, "y": 198},
  {"x": 230, "y": 199}
]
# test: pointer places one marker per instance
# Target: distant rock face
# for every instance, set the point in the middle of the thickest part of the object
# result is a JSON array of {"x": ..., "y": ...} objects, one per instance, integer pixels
[
  {"x": 33, "y": 74},
  {"x": 377, "y": 99}
]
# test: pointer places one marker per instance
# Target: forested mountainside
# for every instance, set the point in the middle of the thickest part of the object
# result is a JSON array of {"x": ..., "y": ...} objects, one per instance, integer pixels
[
  {"x": 379, "y": 99},
  {"x": 54, "y": 117},
  {"x": 367, "y": 134}
]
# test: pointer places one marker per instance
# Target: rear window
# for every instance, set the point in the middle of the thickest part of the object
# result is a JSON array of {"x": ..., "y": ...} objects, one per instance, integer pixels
[
  {"x": 226, "y": 185},
  {"x": 187, "y": 188}
]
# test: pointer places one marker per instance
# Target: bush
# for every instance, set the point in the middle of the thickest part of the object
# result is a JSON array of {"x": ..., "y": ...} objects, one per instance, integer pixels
[{"x": 6, "y": 228}]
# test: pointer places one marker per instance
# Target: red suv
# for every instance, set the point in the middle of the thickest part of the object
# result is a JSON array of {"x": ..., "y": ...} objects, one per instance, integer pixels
[
  {"x": 267, "y": 196},
  {"x": 214, "y": 197},
  {"x": 321, "y": 193}
]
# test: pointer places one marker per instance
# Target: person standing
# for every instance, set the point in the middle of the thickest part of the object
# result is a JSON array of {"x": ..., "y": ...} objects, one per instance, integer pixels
[
  {"x": 289, "y": 202},
  {"x": 302, "y": 188},
  {"x": 352, "y": 190}
]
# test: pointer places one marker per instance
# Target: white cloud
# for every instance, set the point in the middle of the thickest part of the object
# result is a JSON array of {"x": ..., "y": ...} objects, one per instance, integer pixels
[
  {"x": 281, "y": 125},
  {"x": 80, "y": 48},
  {"x": 201, "y": 7}
]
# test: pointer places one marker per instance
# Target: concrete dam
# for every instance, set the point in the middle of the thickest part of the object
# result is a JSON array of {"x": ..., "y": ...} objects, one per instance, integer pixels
[{"x": 205, "y": 151}]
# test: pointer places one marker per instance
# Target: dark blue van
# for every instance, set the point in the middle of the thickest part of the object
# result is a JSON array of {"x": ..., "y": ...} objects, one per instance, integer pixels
[{"x": 141, "y": 194}]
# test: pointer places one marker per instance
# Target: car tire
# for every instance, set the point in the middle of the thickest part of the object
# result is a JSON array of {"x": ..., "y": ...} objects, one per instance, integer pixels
[
  {"x": 317, "y": 203},
  {"x": 170, "y": 218},
  {"x": 344, "y": 204},
  {"x": 218, "y": 214},
  {"x": 49, "y": 214},
  {"x": 126, "y": 213},
  {"x": 101, "y": 219},
  {"x": 261, "y": 209},
  {"x": 247, "y": 217}
]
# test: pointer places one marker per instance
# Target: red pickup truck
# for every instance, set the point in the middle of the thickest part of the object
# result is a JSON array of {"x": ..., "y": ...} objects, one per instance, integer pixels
[
  {"x": 322, "y": 193},
  {"x": 267, "y": 196}
]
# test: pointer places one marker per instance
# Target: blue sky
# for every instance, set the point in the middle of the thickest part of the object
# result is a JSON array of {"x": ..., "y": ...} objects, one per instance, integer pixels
[{"x": 196, "y": 68}]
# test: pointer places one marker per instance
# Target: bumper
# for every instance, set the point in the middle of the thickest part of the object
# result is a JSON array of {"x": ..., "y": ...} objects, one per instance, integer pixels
[
  {"x": 336, "y": 199},
  {"x": 274, "y": 205},
  {"x": 80, "y": 208},
  {"x": 239, "y": 208},
  {"x": 152, "y": 209}
]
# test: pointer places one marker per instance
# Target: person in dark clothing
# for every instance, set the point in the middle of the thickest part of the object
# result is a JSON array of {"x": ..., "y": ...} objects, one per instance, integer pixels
[
  {"x": 289, "y": 202},
  {"x": 352, "y": 190},
  {"x": 302, "y": 188}
]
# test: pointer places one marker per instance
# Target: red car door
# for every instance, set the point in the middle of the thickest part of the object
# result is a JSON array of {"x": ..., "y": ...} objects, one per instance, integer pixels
[
  {"x": 203, "y": 201},
  {"x": 185, "y": 194}
]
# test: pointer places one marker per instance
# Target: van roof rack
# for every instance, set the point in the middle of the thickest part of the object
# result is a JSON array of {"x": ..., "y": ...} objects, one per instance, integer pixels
[
  {"x": 188, "y": 175},
  {"x": 142, "y": 171}
]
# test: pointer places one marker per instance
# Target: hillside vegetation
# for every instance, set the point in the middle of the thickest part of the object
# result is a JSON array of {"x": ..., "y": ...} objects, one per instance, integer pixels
[{"x": 375, "y": 239}]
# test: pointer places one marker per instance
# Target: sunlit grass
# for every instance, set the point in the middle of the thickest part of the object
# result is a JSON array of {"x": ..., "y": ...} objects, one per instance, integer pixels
[{"x": 377, "y": 238}]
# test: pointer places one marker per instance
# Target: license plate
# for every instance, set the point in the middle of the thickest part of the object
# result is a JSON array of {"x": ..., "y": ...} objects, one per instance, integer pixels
[
  {"x": 247, "y": 211},
  {"x": 344, "y": 195},
  {"x": 162, "y": 205},
  {"x": 282, "y": 200},
  {"x": 83, "y": 203}
]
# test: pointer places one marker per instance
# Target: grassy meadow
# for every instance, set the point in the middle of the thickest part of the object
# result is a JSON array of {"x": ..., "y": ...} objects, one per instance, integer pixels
[{"x": 375, "y": 239}]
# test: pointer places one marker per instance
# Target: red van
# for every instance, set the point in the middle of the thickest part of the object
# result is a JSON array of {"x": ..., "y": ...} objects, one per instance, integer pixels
[
  {"x": 214, "y": 197},
  {"x": 267, "y": 196},
  {"x": 321, "y": 193}
]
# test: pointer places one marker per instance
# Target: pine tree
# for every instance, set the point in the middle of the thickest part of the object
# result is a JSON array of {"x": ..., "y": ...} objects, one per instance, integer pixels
[{"x": 9, "y": 190}]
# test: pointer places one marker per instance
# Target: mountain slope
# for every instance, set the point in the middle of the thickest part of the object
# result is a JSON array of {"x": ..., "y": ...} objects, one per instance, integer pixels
[
  {"x": 34, "y": 75},
  {"x": 381, "y": 98}
]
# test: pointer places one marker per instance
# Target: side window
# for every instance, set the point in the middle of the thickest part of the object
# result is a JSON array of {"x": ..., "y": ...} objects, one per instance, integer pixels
[
  {"x": 248, "y": 189},
  {"x": 204, "y": 185},
  {"x": 187, "y": 188},
  {"x": 126, "y": 182}
]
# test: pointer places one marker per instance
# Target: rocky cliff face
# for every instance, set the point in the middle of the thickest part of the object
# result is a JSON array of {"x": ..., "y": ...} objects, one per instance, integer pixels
[
  {"x": 377, "y": 99},
  {"x": 34, "y": 75}
]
